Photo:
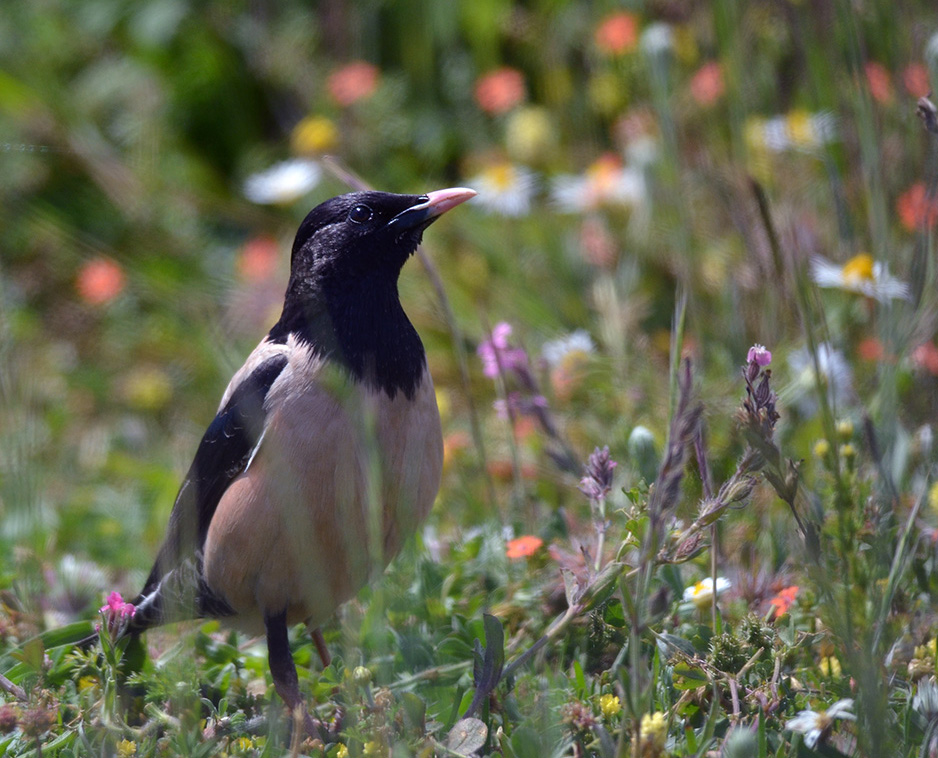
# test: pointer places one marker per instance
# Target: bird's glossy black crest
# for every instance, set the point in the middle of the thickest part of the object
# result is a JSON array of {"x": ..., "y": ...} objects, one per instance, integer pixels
[{"x": 342, "y": 297}]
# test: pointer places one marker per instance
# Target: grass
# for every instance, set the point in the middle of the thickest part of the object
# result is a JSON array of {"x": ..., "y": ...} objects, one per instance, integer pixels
[{"x": 555, "y": 603}]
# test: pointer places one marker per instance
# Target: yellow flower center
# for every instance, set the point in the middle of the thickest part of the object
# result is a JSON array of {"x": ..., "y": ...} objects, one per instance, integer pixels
[
  {"x": 801, "y": 127},
  {"x": 314, "y": 134},
  {"x": 858, "y": 269},
  {"x": 501, "y": 175}
]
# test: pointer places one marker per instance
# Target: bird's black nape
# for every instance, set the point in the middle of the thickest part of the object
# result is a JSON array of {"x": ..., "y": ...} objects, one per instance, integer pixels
[{"x": 342, "y": 297}]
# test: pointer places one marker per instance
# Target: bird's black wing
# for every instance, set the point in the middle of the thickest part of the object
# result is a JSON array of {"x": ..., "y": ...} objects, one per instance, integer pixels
[{"x": 223, "y": 454}]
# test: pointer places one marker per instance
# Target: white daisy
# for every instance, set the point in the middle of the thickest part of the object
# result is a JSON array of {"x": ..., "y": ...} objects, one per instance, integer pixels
[
  {"x": 859, "y": 274},
  {"x": 577, "y": 343},
  {"x": 797, "y": 130},
  {"x": 606, "y": 182},
  {"x": 505, "y": 188},
  {"x": 658, "y": 38},
  {"x": 835, "y": 376},
  {"x": 283, "y": 182},
  {"x": 814, "y": 725},
  {"x": 701, "y": 593}
]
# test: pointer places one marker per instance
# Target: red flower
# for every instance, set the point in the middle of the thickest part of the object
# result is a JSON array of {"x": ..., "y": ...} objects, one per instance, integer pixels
[
  {"x": 499, "y": 91},
  {"x": 915, "y": 79},
  {"x": 100, "y": 281},
  {"x": 353, "y": 82},
  {"x": 617, "y": 33},
  {"x": 916, "y": 209},
  {"x": 871, "y": 349},
  {"x": 707, "y": 85},
  {"x": 783, "y": 600},
  {"x": 523, "y": 547},
  {"x": 877, "y": 79}
]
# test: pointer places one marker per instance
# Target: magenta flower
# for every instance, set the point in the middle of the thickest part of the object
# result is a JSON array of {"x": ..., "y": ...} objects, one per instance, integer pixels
[
  {"x": 116, "y": 615},
  {"x": 759, "y": 355},
  {"x": 498, "y": 356}
]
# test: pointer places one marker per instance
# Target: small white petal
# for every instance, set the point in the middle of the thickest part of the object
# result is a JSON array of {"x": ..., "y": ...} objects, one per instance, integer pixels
[{"x": 283, "y": 182}]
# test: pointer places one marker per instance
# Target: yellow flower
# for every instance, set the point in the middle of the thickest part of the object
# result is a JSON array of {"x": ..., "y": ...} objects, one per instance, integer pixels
[
  {"x": 243, "y": 744},
  {"x": 830, "y": 666},
  {"x": 610, "y": 705},
  {"x": 845, "y": 429},
  {"x": 375, "y": 748},
  {"x": 314, "y": 134},
  {"x": 654, "y": 732},
  {"x": 86, "y": 683},
  {"x": 530, "y": 134},
  {"x": 933, "y": 497},
  {"x": 801, "y": 128},
  {"x": 126, "y": 748},
  {"x": 847, "y": 451},
  {"x": 341, "y": 752},
  {"x": 822, "y": 448}
]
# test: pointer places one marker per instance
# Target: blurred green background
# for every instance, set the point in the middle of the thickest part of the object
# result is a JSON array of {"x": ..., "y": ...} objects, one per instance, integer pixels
[{"x": 614, "y": 147}]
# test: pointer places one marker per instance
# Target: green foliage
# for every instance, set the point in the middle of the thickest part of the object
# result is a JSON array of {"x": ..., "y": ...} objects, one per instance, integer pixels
[{"x": 664, "y": 179}]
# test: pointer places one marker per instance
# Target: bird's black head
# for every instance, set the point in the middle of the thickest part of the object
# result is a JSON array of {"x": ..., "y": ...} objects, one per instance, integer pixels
[
  {"x": 342, "y": 297},
  {"x": 365, "y": 234}
]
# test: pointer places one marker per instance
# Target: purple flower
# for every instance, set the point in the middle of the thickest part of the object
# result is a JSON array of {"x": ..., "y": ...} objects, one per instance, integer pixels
[
  {"x": 599, "y": 473},
  {"x": 497, "y": 356},
  {"x": 759, "y": 355},
  {"x": 116, "y": 615}
]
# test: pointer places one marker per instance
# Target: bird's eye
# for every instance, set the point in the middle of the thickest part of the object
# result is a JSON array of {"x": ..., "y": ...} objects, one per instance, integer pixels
[{"x": 360, "y": 214}]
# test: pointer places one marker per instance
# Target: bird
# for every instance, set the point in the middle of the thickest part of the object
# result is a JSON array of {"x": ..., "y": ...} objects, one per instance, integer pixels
[{"x": 326, "y": 451}]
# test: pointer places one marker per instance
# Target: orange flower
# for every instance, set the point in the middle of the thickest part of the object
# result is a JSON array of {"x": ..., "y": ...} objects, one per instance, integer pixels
[
  {"x": 353, "y": 82},
  {"x": 871, "y": 349},
  {"x": 915, "y": 79},
  {"x": 523, "y": 547},
  {"x": 499, "y": 91},
  {"x": 100, "y": 280},
  {"x": 877, "y": 79},
  {"x": 783, "y": 600},
  {"x": 617, "y": 33},
  {"x": 258, "y": 259},
  {"x": 916, "y": 208},
  {"x": 707, "y": 85}
]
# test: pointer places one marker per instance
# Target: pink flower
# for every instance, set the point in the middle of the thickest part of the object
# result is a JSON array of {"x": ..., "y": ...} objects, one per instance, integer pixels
[
  {"x": 497, "y": 356},
  {"x": 116, "y": 615},
  {"x": 759, "y": 355},
  {"x": 617, "y": 34},
  {"x": 916, "y": 208},
  {"x": 915, "y": 79},
  {"x": 877, "y": 79},
  {"x": 100, "y": 280}
]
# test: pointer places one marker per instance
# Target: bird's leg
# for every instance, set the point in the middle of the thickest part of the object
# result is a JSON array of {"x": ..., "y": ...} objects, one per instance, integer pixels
[
  {"x": 283, "y": 670},
  {"x": 316, "y": 634}
]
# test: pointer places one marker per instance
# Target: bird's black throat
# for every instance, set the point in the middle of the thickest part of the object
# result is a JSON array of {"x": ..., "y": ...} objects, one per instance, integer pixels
[{"x": 361, "y": 326}]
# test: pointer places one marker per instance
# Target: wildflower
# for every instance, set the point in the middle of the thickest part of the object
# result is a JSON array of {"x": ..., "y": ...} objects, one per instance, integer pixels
[
  {"x": 606, "y": 182},
  {"x": 933, "y": 497},
  {"x": 816, "y": 726},
  {"x": 759, "y": 355},
  {"x": 361, "y": 675},
  {"x": 353, "y": 82},
  {"x": 523, "y": 547},
  {"x": 577, "y": 343},
  {"x": 917, "y": 208},
  {"x": 657, "y": 39},
  {"x": 926, "y": 357},
  {"x": 830, "y": 666},
  {"x": 505, "y": 189},
  {"x": 99, "y": 281},
  {"x": 797, "y": 130},
  {"x": 116, "y": 615},
  {"x": 147, "y": 388},
  {"x": 126, "y": 748},
  {"x": 707, "y": 85},
  {"x": 643, "y": 452},
  {"x": 496, "y": 354},
  {"x": 530, "y": 133},
  {"x": 860, "y": 274},
  {"x": 701, "y": 593},
  {"x": 822, "y": 448},
  {"x": 341, "y": 751},
  {"x": 258, "y": 258},
  {"x": 617, "y": 33},
  {"x": 871, "y": 349},
  {"x": 835, "y": 377},
  {"x": 314, "y": 135},
  {"x": 499, "y": 91},
  {"x": 610, "y": 705},
  {"x": 283, "y": 183},
  {"x": 653, "y": 733},
  {"x": 878, "y": 82},
  {"x": 915, "y": 79},
  {"x": 600, "y": 470},
  {"x": 783, "y": 600},
  {"x": 36, "y": 721},
  {"x": 577, "y": 715}
]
